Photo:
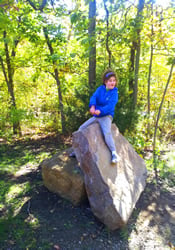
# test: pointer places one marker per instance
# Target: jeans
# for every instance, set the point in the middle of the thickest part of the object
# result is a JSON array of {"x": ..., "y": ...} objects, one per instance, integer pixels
[{"x": 105, "y": 125}]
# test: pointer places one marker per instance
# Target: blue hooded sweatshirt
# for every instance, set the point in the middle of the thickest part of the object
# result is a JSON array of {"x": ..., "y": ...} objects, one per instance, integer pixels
[{"x": 104, "y": 100}]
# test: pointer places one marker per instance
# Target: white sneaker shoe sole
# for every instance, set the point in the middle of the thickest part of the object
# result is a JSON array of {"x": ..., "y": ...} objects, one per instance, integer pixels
[{"x": 114, "y": 161}]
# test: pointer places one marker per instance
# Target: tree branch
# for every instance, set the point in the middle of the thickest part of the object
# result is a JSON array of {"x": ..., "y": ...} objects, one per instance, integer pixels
[
  {"x": 41, "y": 7},
  {"x": 8, "y": 61},
  {"x": 44, "y": 2},
  {"x": 32, "y": 4},
  {"x": 3, "y": 69},
  {"x": 16, "y": 41}
]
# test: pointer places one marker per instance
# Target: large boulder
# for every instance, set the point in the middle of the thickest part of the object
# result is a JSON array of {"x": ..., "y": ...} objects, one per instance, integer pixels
[
  {"x": 62, "y": 175},
  {"x": 112, "y": 190}
]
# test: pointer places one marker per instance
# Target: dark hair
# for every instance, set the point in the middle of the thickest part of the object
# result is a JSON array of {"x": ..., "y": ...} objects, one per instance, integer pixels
[{"x": 107, "y": 74}]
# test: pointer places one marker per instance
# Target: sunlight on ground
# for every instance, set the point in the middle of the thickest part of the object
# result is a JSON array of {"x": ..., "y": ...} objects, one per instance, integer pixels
[
  {"x": 26, "y": 169},
  {"x": 32, "y": 221},
  {"x": 15, "y": 197}
]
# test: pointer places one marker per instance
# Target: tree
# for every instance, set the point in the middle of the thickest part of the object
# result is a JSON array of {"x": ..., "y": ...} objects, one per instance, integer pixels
[
  {"x": 92, "y": 43},
  {"x": 107, "y": 34},
  {"x": 7, "y": 57},
  {"x": 54, "y": 61},
  {"x": 159, "y": 112},
  {"x": 138, "y": 27},
  {"x": 150, "y": 66},
  {"x": 135, "y": 53}
]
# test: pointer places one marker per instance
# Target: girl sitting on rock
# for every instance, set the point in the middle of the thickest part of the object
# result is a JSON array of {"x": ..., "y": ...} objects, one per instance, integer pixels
[{"x": 102, "y": 106}]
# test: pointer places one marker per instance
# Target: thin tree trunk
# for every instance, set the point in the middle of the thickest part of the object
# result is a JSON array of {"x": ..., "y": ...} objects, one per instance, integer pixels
[
  {"x": 150, "y": 70},
  {"x": 92, "y": 43},
  {"x": 137, "y": 61},
  {"x": 149, "y": 78},
  {"x": 9, "y": 70},
  {"x": 107, "y": 35},
  {"x": 9, "y": 79},
  {"x": 131, "y": 69},
  {"x": 149, "y": 86},
  {"x": 158, "y": 117},
  {"x": 139, "y": 19},
  {"x": 55, "y": 68},
  {"x": 56, "y": 76}
]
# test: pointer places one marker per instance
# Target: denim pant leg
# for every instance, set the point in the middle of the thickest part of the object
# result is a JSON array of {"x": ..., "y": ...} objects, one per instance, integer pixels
[
  {"x": 105, "y": 124},
  {"x": 87, "y": 123}
]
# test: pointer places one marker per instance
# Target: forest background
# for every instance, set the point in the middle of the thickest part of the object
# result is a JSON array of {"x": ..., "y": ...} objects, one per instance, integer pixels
[
  {"x": 53, "y": 54},
  {"x": 52, "y": 57}
]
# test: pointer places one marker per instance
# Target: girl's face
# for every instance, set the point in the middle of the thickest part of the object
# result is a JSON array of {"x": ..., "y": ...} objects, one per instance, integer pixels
[{"x": 111, "y": 82}]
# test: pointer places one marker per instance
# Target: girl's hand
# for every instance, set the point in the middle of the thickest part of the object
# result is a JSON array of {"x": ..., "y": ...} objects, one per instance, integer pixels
[
  {"x": 92, "y": 110},
  {"x": 97, "y": 112}
]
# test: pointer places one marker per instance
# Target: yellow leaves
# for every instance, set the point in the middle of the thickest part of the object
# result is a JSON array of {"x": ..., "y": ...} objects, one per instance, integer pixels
[
  {"x": 172, "y": 84},
  {"x": 170, "y": 96}
]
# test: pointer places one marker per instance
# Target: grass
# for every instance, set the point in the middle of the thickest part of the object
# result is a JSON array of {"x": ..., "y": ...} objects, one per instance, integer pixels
[
  {"x": 15, "y": 192},
  {"x": 13, "y": 160},
  {"x": 165, "y": 164},
  {"x": 13, "y": 196}
]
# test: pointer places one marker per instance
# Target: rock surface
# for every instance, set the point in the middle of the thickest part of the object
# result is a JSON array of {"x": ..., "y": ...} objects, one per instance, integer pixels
[
  {"x": 112, "y": 190},
  {"x": 62, "y": 175}
]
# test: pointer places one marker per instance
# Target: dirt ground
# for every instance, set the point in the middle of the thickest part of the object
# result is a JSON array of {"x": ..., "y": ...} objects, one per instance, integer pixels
[{"x": 62, "y": 226}]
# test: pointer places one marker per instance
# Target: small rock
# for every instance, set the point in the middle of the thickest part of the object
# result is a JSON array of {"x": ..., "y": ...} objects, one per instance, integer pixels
[{"x": 59, "y": 177}]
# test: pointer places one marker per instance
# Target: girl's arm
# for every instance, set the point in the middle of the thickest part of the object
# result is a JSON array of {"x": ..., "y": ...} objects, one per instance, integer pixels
[{"x": 93, "y": 99}]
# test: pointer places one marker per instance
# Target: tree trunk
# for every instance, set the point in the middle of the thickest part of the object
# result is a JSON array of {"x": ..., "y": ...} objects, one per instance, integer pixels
[
  {"x": 92, "y": 43},
  {"x": 149, "y": 86},
  {"x": 150, "y": 69},
  {"x": 137, "y": 61},
  {"x": 139, "y": 19},
  {"x": 107, "y": 35},
  {"x": 131, "y": 69},
  {"x": 158, "y": 117},
  {"x": 149, "y": 78},
  {"x": 56, "y": 76},
  {"x": 9, "y": 79}
]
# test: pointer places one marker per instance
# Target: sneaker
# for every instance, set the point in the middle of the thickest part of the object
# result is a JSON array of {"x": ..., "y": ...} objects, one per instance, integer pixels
[
  {"x": 72, "y": 155},
  {"x": 115, "y": 158}
]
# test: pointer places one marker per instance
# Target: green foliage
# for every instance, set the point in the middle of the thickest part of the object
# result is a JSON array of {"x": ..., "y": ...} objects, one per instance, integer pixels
[
  {"x": 11, "y": 200},
  {"x": 124, "y": 233},
  {"x": 165, "y": 164},
  {"x": 3, "y": 118},
  {"x": 19, "y": 232},
  {"x": 126, "y": 117},
  {"x": 35, "y": 88},
  {"x": 16, "y": 115},
  {"x": 77, "y": 108}
]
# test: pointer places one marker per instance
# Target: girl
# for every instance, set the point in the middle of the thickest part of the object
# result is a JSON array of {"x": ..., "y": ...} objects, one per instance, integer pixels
[{"x": 102, "y": 106}]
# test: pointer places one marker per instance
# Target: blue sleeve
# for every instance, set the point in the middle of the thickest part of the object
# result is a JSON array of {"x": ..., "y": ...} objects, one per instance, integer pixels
[
  {"x": 110, "y": 107},
  {"x": 93, "y": 99}
]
